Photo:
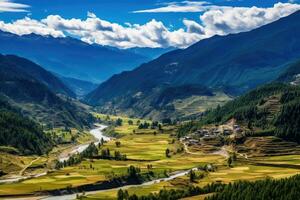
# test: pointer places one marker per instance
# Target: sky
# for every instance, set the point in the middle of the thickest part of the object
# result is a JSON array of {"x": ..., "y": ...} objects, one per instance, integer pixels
[{"x": 140, "y": 23}]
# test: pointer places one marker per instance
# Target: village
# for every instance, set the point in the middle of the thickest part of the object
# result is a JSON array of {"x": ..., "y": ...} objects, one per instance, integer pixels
[{"x": 213, "y": 136}]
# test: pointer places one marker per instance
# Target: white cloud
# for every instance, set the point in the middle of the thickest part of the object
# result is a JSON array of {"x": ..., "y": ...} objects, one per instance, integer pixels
[
  {"x": 227, "y": 20},
  {"x": 9, "y": 6},
  {"x": 216, "y": 20},
  {"x": 27, "y": 26},
  {"x": 184, "y": 6}
]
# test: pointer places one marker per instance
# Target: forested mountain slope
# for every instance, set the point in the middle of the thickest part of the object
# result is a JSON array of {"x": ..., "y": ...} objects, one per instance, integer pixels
[
  {"x": 20, "y": 132},
  {"x": 274, "y": 108},
  {"x": 26, "y": 68},
  {"x": 31, "y": 88}
]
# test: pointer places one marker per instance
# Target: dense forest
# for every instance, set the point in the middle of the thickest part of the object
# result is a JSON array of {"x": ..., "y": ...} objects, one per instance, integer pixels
[
  {"x": 173, "y": 194},
  {"x": 21, "y": 133},
  {"x": 255, "y": 110},
  {"x": 287, "y": 189},
  {"x": 275, "y": 189}
]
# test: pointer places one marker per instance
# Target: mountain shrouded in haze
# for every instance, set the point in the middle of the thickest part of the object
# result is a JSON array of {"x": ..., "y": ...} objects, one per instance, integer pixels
[
  {"x": 236, "y": 63},
  {"x": 73, "y": 58}
]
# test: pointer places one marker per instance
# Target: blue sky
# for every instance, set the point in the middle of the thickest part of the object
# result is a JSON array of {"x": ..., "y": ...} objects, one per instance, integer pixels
[
  {"x": 119, "y": 11},
  {"x": 162, "y": 23}
]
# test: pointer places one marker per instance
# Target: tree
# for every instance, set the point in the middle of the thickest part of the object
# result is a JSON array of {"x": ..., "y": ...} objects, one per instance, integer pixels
[
  {"x": 133, "y": 172},
  {"x": 120, "y": 194},
  {"x": 192, "y": 176},
  {"x": 234, "y": 157},
  {"x": 229, "y": 161},
  {"x": 167, "y": 153},
  {"x": 118, "y": 143},
  {"x": 159, "y": 127},
  {"x": 130, "y": 122},
  {"x": 119, "y": 122}
]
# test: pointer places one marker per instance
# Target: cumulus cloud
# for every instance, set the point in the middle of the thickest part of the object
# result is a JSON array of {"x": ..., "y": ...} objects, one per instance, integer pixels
[
  {"x": 216, "y": 20},
  {"x": 27, "y": 26},
  {"x": 9, "y": 6},
  {"x": 227, "y": 20}
]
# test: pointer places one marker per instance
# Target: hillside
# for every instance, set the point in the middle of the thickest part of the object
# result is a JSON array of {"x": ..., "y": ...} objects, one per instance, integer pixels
[
  {"x": 71, "y": 57},
  {"x": 235, "y": 63},
  {"x": 31, "y": 89},
  {"x": 27, "y": 68},
  {"x": 184, "y": 101},
  {"x": 291, "y": 74},
  {"x": 272, "y": 109},
  {"x": 21, "y": 133}
]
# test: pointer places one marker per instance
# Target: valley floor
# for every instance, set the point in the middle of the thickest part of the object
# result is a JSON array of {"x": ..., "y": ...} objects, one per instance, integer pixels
[{"x": 145, "y": 149}]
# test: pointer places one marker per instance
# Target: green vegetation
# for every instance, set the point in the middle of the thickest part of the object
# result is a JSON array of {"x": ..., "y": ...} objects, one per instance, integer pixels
[
  {"x": 287, "y": 189},
  {"x": 21, "y": 132},
  {"x": 292, "y": 70},
  {"x": 172, "y": 194},
  {"x": 272, "y": 109}
]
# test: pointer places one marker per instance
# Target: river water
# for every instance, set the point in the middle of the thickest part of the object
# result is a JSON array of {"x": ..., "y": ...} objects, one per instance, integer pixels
[
  {"x": 73, "y": 196},
  {"x": 97, "y": 133}
]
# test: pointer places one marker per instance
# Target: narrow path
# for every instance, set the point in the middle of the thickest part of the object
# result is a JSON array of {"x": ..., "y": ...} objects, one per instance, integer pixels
[
  {"x": 223, "y": 152},
  {"x": 21, "y": 173},
  {"x": 186, "y": 149}
]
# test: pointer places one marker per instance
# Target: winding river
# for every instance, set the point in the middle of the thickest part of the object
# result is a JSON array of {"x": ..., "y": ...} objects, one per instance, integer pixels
[
  {"x": 96, "y": 132},
  {"x": 73, "y": 196}
]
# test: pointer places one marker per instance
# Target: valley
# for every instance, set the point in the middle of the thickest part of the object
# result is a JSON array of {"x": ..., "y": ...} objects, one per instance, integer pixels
[{"x": 146, "y": 149}]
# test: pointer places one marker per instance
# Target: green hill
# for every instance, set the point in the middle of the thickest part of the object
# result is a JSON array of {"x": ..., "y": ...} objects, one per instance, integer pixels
[
  {"x": 32, "y": 89},
  {"x": 21, "y": 133},
  {"x": 274, "y": 108}
]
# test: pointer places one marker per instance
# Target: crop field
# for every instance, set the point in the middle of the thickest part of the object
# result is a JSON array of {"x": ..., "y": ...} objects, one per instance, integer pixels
[
  {"x": 142, "y": 148},
  {"x": 223, "y": 174}
]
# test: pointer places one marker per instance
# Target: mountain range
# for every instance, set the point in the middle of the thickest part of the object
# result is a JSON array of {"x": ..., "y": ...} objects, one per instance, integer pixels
[
  {"x": 233, "y": 64},
  {"x": 73, "y": 58}
]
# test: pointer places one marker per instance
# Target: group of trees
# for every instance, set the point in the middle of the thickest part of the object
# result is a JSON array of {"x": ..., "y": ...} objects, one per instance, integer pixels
[
  {"x": 89, "y": 152},
  {"x": 275, "y": 189},
  {"x": 144, "y": 125},
  {"x": 172, "y": 194},
  {"x": 153, "y": 125},
  {"x": 287, "y": 189},
  {"x": 106, "y": 154}
]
